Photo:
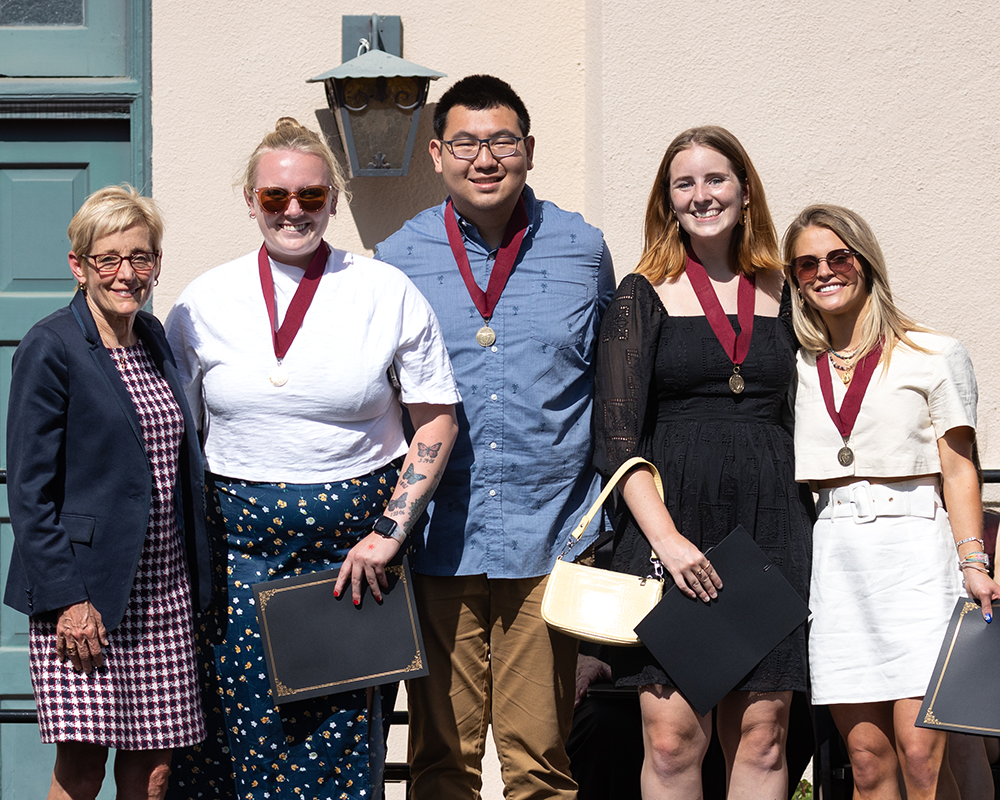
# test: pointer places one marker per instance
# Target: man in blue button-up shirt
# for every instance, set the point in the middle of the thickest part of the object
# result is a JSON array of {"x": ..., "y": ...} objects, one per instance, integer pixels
[{"x": 519, "y": 477}]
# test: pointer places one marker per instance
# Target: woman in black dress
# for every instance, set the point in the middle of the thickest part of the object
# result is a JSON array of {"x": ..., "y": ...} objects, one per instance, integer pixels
[{"x": 695, "y": 360}]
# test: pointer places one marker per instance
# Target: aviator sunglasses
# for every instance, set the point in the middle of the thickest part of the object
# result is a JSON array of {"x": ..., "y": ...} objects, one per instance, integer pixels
[
  {"x": 274, "y": 199},
  {"x": 839, "y": 261}
]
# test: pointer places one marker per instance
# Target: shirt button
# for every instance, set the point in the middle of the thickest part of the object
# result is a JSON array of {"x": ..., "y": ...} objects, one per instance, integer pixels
[
  {"x": 493, "y": 492},
  {"x": 495, "y": 349},
  {"x": 493, "y": 445},
  {"x": 493, "y": 397}
]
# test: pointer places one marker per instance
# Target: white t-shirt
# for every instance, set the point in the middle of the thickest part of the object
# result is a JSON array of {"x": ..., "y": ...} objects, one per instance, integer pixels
[
  {"x": 337, "y": 417},
  {"x": 904, "y": 412}
]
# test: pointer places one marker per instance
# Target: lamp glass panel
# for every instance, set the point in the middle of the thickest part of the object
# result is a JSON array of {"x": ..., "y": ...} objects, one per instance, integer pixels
[{"x": 381, "y": 113}]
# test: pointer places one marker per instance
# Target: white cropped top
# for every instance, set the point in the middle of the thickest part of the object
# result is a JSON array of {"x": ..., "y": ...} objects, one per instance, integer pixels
[{"x": 905, "y": 410}]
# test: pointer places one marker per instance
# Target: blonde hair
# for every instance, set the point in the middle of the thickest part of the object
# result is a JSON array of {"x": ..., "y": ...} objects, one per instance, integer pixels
[
  {"x": 883, "y": 322},
  {"x": 114, "y": 209},
  {"x": 753, "y": 247},
  {"x": 289, "y": 135}
]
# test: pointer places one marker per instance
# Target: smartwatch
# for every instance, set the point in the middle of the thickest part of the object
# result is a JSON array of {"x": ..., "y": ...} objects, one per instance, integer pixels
[{"x": 387, "y": 527}]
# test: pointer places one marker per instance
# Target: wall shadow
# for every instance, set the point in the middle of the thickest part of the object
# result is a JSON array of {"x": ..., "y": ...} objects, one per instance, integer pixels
[{"x": 380, "y": 206}]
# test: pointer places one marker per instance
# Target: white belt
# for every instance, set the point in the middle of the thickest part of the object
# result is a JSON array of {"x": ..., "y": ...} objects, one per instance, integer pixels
[{"x": 865, "y": 502}]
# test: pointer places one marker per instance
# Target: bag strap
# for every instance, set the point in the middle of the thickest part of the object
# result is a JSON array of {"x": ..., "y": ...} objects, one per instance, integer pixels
[{"x": 595, "y": 509}]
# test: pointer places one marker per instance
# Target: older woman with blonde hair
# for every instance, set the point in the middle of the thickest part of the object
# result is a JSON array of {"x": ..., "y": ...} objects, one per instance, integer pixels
[
  {"x": 106, "y": 504},
  {"x": 286, "y": 354},
  {"x": 885, "y": 421},
  {"x": 693, "y": 369}
]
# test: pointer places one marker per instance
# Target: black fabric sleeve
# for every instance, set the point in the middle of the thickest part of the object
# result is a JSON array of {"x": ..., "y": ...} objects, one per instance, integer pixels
[{"x": 626, "y": 352}]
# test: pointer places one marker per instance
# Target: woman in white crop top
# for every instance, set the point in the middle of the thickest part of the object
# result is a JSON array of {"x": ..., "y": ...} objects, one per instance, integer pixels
[
  {"x": 885, "y": 416},
  {"x": 285, "y": 355}
]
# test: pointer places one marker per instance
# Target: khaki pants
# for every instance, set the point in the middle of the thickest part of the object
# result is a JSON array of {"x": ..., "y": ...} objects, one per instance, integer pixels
[{"x": 491, "y": 658}]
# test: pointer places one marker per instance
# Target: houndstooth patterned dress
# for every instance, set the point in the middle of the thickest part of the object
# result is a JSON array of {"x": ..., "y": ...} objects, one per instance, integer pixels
[{"x": 146, "y": 697}]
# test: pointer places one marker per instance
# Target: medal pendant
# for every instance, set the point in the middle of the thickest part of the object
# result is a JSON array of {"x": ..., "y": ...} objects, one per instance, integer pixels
[
  {"x": 845, "y": 456},
  {"x": 486, "y": 336},
  {"x": 278, "y": 376},
  {"x": 736, "y": 383}
]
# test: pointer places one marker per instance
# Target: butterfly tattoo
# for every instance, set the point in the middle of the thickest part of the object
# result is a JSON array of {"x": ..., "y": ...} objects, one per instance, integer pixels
[
  {"x": 428, "y": 452},
  {"x": 412, "y": 476}
]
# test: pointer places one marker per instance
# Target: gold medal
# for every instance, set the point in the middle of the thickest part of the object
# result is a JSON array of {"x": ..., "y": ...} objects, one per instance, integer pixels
[
  {"x": 486, "y": 336},
  {"x": 278, "y": 376},
  {"x": 736, "y": 382},
  {"x": 845, "y": 455}
]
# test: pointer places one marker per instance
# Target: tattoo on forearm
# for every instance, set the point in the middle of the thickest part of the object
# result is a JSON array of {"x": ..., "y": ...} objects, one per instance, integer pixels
[
  {"x": 426, "y": 453},
  {"x": 420, "y": 503},
  {"x": 398, "y": 503},
  {"x": 411, "y": 476}
]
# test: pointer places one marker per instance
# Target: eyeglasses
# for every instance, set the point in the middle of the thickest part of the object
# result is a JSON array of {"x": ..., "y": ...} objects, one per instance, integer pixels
[
  {"x": 274, "y": 199},
  {"x": 468, "y": 149},
  {"x": 108, "y": 264},
  {"x": 839, "y": 261}
]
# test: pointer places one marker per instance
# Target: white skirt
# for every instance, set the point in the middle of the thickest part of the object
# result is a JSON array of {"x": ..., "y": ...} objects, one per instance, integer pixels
[{"x": 885, "y": 579}]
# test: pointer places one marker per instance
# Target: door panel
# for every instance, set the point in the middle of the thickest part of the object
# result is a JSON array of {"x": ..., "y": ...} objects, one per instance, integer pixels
[
  {"x": 43, "y": 181},
  {"x": 47, "y": 169},
  {"x": 82, "y": 38}
]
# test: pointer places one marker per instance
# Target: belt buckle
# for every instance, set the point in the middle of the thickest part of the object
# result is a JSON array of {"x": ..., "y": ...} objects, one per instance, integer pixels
[{"x": 862, "y": 502}]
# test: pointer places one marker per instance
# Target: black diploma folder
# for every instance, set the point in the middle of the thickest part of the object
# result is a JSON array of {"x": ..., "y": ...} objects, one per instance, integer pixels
[
  {"x": 316, "y": 645},
  {"x": 963, "y": 694},
  {"x": 707, "y": 648}
]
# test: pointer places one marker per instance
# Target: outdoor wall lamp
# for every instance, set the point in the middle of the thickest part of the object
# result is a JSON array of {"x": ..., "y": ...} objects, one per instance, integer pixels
[{"x": 376, "y": 97}]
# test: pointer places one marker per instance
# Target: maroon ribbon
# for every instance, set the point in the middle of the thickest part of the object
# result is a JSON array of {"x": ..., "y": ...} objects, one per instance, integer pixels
[
  {"x": 855, "y": 390},
  {"x": 283, "y": 336},
  {"x": 513, "y": 235},
  {"x": 736, "y": 347}
]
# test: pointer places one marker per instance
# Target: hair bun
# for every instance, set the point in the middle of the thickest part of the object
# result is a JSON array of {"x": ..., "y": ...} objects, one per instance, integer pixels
[{"x": 286, "y": 122}]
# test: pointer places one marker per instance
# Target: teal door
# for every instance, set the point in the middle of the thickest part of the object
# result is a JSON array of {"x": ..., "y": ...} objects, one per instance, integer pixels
[
  {"x": 74, "y": 116},
  {"x": 47, "y": 169}
]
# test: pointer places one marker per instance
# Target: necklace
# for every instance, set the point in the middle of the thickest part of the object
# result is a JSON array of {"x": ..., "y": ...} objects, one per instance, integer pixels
[
  {"x": 851, "y": 405},
  {"x": 846, "y": 356},
  {"x": 503, "y": 266},
  {"x": 845, "y": 371},
  {"x": 735, "y": 347}
]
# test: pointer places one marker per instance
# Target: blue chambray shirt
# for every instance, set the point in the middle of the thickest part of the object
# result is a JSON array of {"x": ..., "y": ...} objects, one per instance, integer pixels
[{"x": 520, "y": 475}]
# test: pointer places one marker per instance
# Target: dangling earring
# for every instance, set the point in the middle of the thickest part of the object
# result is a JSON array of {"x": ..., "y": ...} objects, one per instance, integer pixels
[
  {"x": 82, "y": 287},
  {"x": 743, "y": 215},
  {"x": 251, "y": 214},
  {"x": 156, "y": 282}
]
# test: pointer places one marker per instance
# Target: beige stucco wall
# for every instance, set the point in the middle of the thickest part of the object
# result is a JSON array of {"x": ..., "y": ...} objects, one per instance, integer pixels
[{"x": 887, "y": 107}]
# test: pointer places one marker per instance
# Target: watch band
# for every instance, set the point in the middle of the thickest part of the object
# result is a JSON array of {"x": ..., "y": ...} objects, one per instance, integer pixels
[{"x": 389, "y": 529}]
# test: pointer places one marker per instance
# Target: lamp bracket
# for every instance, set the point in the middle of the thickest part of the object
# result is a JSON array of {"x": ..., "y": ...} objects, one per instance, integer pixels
[{"x": 378, "y": 33}]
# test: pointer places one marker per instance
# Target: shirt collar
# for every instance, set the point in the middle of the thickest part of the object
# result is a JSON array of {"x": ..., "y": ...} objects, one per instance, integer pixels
[{"x": 470, "y": 231}]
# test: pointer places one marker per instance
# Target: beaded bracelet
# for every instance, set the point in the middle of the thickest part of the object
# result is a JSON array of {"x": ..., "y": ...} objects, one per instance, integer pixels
[
  {"x": 974, "y": 566},
  {"x": 970, "y": 539}
]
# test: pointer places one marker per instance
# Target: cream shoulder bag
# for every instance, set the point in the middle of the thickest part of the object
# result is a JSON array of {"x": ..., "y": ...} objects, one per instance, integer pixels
[{"x": 600, "y": 605}]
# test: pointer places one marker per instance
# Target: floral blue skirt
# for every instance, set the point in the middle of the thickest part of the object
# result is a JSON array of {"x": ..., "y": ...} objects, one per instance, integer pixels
[{"x": 326, "y": 747}]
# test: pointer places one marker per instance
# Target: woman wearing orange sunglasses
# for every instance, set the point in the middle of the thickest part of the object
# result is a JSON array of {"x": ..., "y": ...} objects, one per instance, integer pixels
[
  {"x": 885, "y": 418},
  {"x": 285, "y": 354}
]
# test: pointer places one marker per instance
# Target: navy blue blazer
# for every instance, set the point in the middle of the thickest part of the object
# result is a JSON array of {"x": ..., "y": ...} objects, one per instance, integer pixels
[{"x": 79, "y": 482}]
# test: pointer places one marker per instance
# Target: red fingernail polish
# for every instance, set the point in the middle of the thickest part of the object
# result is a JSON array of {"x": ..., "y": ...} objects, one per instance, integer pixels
[
  {"x": 336, "y": 593},
  {"x": 357, "y": 602}
]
